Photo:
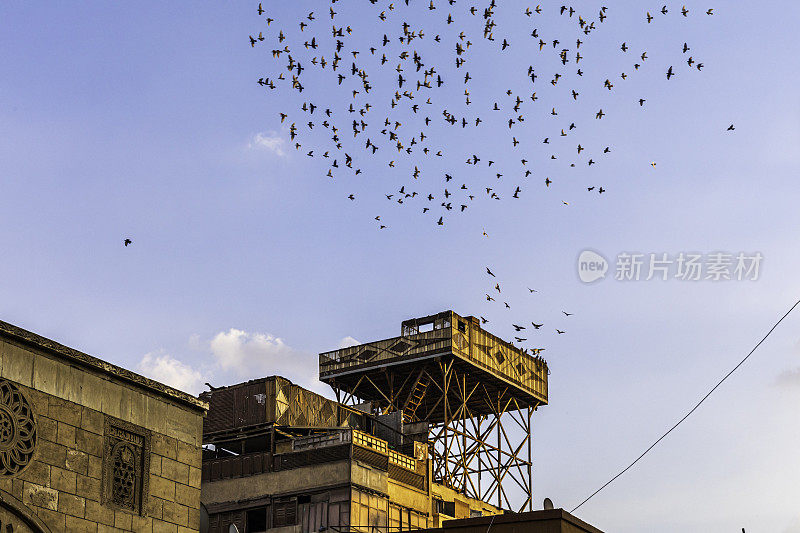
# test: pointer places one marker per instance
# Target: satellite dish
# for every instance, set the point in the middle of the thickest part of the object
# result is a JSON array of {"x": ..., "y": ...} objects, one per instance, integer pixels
[
  {"x": 233, "y": 529},
  {"x": 548, "y": 504}
]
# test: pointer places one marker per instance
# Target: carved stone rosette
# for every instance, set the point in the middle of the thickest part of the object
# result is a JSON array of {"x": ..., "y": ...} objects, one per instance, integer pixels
[{"x": 17, "y": 430}]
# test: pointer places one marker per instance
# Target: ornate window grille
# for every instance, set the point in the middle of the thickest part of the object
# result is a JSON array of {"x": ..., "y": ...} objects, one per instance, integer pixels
[{"x": 126, "y": 466}]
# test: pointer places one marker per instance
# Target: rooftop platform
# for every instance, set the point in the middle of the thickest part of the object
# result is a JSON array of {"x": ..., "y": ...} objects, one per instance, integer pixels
[
  {"x": 274, "y": 400},
  {"x": 376, "y": 371}
]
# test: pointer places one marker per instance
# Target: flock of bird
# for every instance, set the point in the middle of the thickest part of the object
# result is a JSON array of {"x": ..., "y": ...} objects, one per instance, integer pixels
[
  {"x": 440, "y": 97},
  {"x": 398, "y": 90},
  {"x": 525, "y": 330}
]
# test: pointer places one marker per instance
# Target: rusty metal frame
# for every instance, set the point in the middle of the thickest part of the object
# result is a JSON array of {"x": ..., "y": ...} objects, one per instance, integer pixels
[
  {"x": 486, "y": 457},
  {"x": 467, "y": 448}
]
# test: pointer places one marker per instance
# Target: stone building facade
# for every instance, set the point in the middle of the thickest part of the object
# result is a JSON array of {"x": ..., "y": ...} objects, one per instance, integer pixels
[{"x": 86, "y": 446}]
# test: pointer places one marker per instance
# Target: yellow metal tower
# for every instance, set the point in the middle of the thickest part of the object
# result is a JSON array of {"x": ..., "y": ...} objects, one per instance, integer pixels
[{"x": 471, "y": 392}]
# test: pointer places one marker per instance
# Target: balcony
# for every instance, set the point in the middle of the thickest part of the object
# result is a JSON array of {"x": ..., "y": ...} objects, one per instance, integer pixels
[{"x": 439, "y": 335}]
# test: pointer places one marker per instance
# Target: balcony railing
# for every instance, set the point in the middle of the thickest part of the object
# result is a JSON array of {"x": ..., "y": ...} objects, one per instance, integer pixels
[{"x": 458, "y": 336}]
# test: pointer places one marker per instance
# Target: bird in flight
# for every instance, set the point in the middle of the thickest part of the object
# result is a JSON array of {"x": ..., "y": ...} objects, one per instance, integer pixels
[
  {"x": 412, "y": 90},
  {"x": 126, "y": 242}
]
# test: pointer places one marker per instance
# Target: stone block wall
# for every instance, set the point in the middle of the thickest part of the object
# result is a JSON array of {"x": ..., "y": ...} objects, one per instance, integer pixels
[{"x": 93, "y": 441}]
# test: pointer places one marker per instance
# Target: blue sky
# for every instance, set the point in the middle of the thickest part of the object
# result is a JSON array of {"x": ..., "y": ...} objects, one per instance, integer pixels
[{"x": 144, "y": 122}]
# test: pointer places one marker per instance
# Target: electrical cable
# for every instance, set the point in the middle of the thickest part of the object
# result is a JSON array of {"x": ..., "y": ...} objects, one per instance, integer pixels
[{"x": 691, "y": 411}]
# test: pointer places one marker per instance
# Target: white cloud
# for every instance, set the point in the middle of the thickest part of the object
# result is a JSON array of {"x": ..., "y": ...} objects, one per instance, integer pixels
[
  {"x": 234, "y": 356},
  {"x": 170, "y": 371},
  {"x": 794, "y": 526},
  {"x": 270, "y": 141},
  {"x": 244, "y": 352},
  {"x": 240, "y": 355},
  {"x": 789, "y": 378},
  {"x": 348, "y": 342}
]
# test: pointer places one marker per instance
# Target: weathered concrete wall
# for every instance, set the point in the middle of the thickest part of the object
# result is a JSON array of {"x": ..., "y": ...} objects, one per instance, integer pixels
[
  {"x": 370, "y": 477},
  {"x": 378, "y": 480},
  {"x": 296, "y": 480},
  {"x": 64, "y": 482},
  {"x": 408, "y": 496}
]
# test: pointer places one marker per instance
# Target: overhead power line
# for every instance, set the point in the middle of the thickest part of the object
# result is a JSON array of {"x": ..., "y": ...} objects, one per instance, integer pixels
[{"x": 693, "y": 409}]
